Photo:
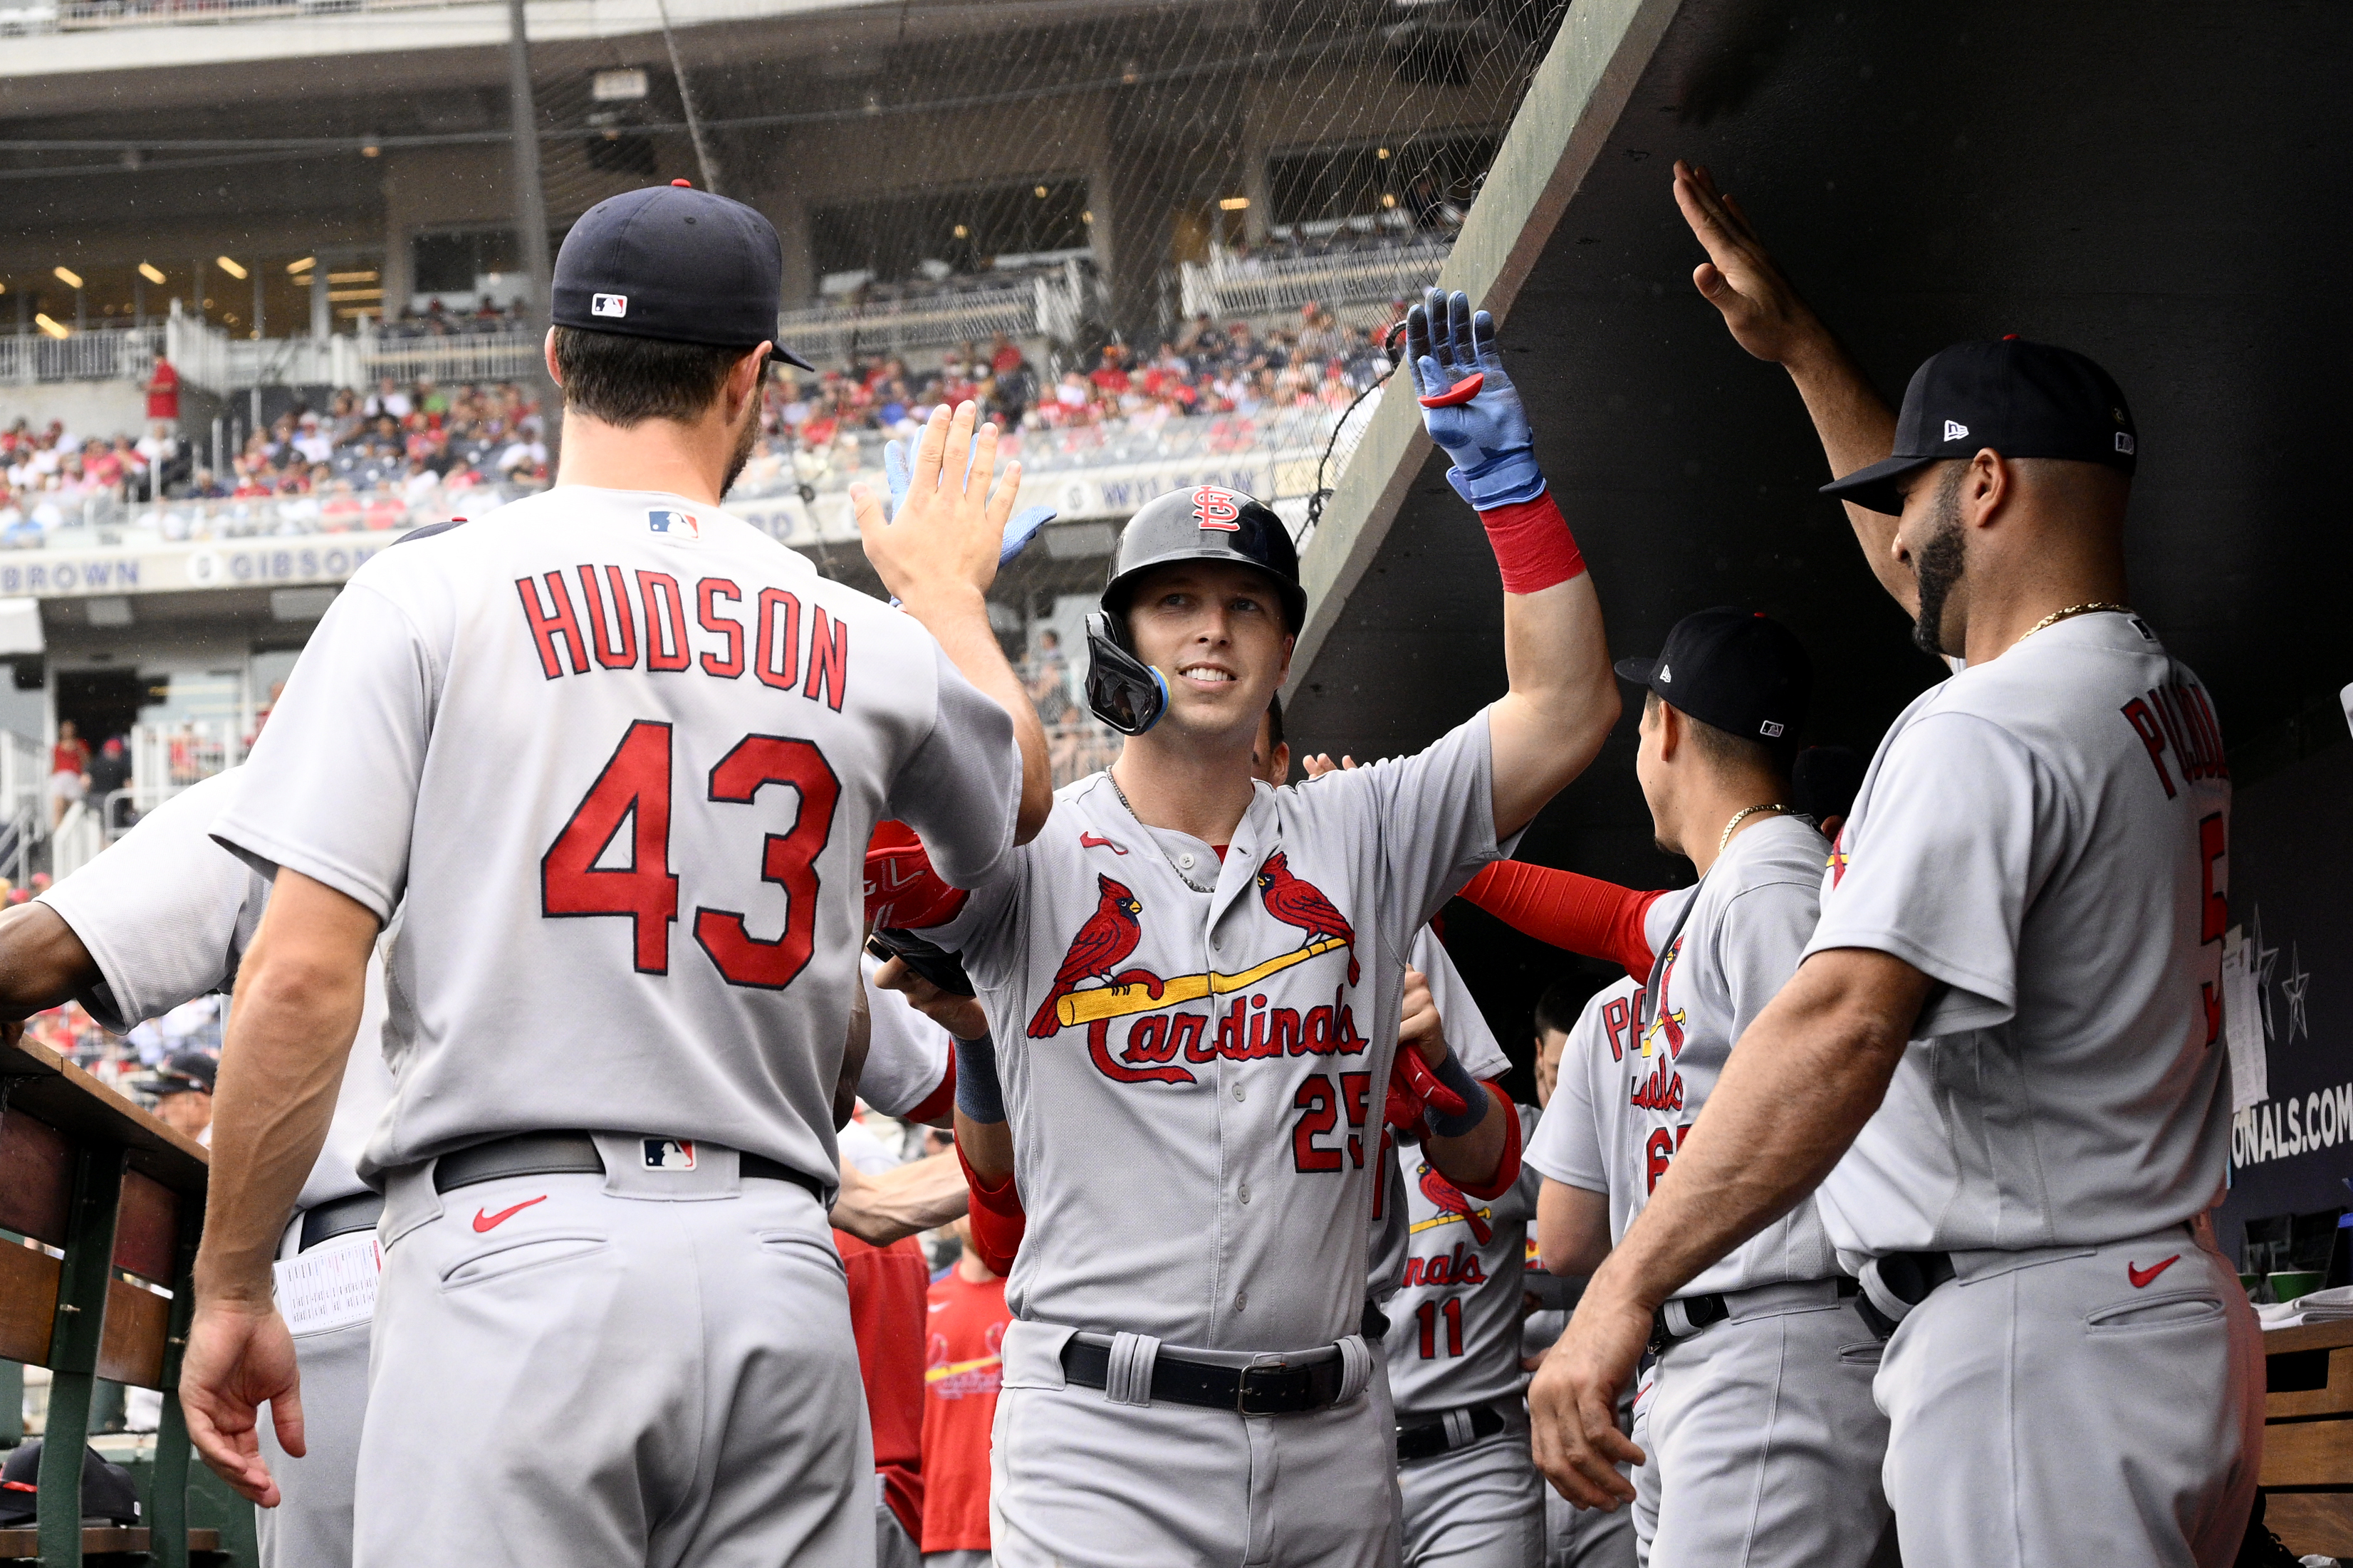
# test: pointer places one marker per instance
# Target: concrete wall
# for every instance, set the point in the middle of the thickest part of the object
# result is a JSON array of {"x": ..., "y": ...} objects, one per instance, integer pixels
[{"x": 88, "y": 407}]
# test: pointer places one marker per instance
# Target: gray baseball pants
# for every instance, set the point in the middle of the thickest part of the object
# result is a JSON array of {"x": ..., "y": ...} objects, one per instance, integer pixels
[
  {"x": 641, "y": 1370},
  {"x": 1765, "y": 1439},
  {"x": 311, "y": 1525},
  {"x": 2045, "y": 1408},
  {"x": 1591, "y": 1537},
  {"x": 1079, "y": 1481},
  {"x": 1477, "y": 1507}
]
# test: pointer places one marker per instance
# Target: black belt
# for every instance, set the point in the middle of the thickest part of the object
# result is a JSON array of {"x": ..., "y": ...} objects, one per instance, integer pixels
[
  {"x": 1276, "y": 1389},
  {"x": 1707, "y": 1312},
  {"x": 340, "y": 1217},
  {"x": 1427, "y": 1439},
  {"x": 570, "y": 1155},
  {"x": 1908, "y": 1276}
]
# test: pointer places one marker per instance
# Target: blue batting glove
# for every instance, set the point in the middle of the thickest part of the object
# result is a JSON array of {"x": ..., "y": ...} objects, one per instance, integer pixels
[
  {"x": 1469, "y": 404},
  {"x": 897, "y": 473}
]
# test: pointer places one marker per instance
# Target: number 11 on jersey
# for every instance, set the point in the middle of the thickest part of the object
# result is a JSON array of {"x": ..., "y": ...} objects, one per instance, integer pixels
[{"x": 635, "y": 787}]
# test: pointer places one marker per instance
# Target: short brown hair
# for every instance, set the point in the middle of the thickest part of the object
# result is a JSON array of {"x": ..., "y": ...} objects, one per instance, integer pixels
[
  {"x": 625, "y": 380},
  {"x": 1723, "y": 751}
]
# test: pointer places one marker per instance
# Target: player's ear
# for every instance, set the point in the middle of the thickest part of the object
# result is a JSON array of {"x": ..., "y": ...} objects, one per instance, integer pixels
[
  {"x": 1280, "y": 761},
  {"x": 547, "y": 351}
]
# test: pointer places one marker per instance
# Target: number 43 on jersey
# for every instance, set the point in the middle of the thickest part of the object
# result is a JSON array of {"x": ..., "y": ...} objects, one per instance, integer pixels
[{"x": 634, "y": 789}]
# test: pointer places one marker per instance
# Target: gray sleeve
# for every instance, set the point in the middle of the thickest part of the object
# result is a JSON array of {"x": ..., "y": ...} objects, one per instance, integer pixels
[
  {"x": 165, "y": 913},
  {"x": 1434, "y": 814},
  {"x": 331, "y": 791},
  {"x": 1658, "y": 919},
  {"x": 1939, "y": 869},
  {"x": 1467, "y": 1035},
  {"x": 961, "y": 791},
  {"x": 1759, "y": 940},
  {"x": 1567, "y": 1144}
]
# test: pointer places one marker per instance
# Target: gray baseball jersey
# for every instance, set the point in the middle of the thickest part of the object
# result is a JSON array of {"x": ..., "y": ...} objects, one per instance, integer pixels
[
  {"x": 621, "y": 753},
  {"x": 1195, "y": 1047},
  {"x": 1455, "y": 1325},
  {"x": 2045, "y": 835},
  {"x": 1749, "y": 919},
  {"x": 1469, "y": 1039},
  {"x": 908, "y": 1057},
  {"x": 1588, "y": 1137}
]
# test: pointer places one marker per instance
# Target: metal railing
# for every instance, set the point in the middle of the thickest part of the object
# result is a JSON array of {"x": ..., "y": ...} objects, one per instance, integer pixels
[
  {"x": 24, "y": 819},
  {"x": 102, "y": 353},
  {"x": 1047, "y": 305},
  {"x": 98, "y": 16},
  {"x": 1230, "y": 287}
]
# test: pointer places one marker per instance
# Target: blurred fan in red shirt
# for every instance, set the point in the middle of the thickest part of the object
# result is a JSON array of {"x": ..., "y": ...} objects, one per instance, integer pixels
[
  {"x": 961, "y": 1374},
  {"x": 887, "y": 1286}
]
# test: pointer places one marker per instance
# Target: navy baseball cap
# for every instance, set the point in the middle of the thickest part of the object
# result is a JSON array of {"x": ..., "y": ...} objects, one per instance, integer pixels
[
  {"x": 1740, "y": 670},
  {"x": 673, "y": 262},
  {"x": 180, "y": 1073},
  {"x": 2022, "y": 399}
]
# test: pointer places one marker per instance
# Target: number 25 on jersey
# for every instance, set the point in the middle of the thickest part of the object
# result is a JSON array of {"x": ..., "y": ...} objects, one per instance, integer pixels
[{"x": 634, "y": 788}]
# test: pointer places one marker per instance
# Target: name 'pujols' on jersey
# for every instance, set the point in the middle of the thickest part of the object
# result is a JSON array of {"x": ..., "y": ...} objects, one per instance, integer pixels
[{"x": 643, "y": 626}]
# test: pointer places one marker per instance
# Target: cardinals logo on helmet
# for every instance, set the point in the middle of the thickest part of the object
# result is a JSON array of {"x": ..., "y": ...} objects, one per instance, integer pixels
[
  {"x": 1217, "y": 508},
  {"x": 1297, "y": 903}
]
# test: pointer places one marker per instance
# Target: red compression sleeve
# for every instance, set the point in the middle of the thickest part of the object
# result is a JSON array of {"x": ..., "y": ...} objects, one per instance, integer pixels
[
  {"x": 1533, "y": 544},
  {"x": 1507, "y": 1164},
  {"x": 998, "y": 1221},
  {"x": 1582, "y": 915}
]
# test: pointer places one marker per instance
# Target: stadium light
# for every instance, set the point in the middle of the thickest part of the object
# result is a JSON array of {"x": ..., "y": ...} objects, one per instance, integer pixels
[
  {"x": 67, "y": 276},
  {"x": 370, "y": 150},
  {"x": 231, "y": 267},
  {"x": 351, "y": 277},
  {"x": 1041, "y": 193},
  {"x": 53, "y": 328},
  {"x": 1383, "y": 152},
  {"x": 1232, "y": 204},
  {"x": 302, "y": 266},
  {"x": 149, "y": 271},
  {"x": 961, "y": 232}
]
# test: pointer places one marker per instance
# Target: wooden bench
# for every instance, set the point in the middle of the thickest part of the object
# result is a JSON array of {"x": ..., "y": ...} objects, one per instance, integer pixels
[
  {"x": 2307, "y": 1474},
  {"x": 111, "y": 1202}
]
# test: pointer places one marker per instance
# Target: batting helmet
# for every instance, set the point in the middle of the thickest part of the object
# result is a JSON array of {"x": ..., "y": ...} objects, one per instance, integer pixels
[{"x": 1203, "y": 523}]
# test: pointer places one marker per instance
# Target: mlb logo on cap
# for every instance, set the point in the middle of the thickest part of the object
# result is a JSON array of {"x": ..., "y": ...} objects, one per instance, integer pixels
[
  {"x": 670, "y": 1153},
  {"x": 676, "y": 524},
  {"x": 609, "y": 305}
]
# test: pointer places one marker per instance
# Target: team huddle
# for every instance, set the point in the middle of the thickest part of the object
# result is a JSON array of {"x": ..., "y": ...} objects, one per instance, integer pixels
[{"x": 1885, "y": 1168}]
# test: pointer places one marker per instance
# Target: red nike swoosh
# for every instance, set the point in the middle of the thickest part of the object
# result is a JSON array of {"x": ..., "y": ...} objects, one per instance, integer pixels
[
  {"x": 1091, "y": 841},
  {"x": 492, "y": 1221},
  {"x": 2141, "y": 1277}
]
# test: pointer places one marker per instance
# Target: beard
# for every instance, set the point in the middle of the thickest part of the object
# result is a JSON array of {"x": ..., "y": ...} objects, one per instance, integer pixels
[
  {"x": 1942, "y": 563},
  {"x": 744, "y": 441}
]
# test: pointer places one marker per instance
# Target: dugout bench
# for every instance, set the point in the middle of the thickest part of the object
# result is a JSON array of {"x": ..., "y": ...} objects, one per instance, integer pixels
[
  {"x": 102, "y": 1206},
  {"x": 2307, "y": 1477}
]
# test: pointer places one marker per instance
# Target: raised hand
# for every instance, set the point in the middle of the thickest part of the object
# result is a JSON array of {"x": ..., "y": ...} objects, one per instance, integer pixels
[
  {"x": 899, "y": 474},
  {"x": 1738, "y": 278},
  {"x": 1469, "y": 404},
  {"x": 950, "y": 528}
]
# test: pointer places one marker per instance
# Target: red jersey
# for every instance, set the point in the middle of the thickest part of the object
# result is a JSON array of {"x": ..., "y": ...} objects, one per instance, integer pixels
[
  {"x": 887, "y": 1286},
  {"x": 961, "y": 1374}
]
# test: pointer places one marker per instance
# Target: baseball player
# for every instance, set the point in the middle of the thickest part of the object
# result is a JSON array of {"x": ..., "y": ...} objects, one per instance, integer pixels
[
  {"x": 1999, "y": 1058},
  {"x": 1194, "y": 983},
  {"x": 618, "y": 752},
  {"x": 164, "y": 915}
]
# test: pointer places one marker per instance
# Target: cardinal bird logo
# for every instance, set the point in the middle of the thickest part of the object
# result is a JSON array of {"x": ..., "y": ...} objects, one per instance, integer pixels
[
  {"x": 1297, "y": 903},
  {"x": 1443, "y": 1194},
  {"x": 1102, "y": 945}
]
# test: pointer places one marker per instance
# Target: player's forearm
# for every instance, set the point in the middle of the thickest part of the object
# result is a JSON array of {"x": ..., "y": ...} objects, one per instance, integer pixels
[
  {"x": 1798, "y": 1086},
  {"x": 918, "y": 1196},
  {"x": 1469, "y": 1161},
  {"x": 42, "y": 962},
  {"x": 1572, "y": 1229},
  {"x": 296, "y": 1008},
  {"x": 988, "y": 1147},
  {"x": 1563, "y": 700},
  {"x": 1857, "y": 429},
  {"x": 957, "y": 615}
]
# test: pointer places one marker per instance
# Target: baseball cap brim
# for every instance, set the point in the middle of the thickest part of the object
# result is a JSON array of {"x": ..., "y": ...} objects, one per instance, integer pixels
[
  {"x": 778, "y": 351},
  {"x": 1638, "y": 670},
  {"x": 1874, "y": 489}
]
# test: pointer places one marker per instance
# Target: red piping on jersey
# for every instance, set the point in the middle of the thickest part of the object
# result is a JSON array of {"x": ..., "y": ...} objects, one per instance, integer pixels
[
  {"x": 1507, "y": 1164},
  {"x": 1581, "y": 914},
  {"x": 937, "y": 1108}
]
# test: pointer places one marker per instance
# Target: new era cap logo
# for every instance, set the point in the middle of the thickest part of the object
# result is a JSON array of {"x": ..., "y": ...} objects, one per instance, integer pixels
[
  {"x": 1955, "y": 429},
  {"x": 670, "y": 1153},
  {"x": 1665, "y": 675},
  {"x": 2125, "y": 442},
  {"x": 1769, "y": 729},
  {"x": 676, "y": 524},
  {"x": 608, "y": 305}
]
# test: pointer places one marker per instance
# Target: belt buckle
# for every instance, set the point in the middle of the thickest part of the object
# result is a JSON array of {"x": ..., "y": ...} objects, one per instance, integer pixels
[
  {"x": 1272, "y": 1379},
  {"x": 1660, "y": 1337}
]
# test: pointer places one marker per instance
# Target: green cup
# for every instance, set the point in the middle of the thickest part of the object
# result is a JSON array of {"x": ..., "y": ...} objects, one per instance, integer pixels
[
  {"x": 2289, "y": 1285},
  {"x": 2251, "y": 1283}
]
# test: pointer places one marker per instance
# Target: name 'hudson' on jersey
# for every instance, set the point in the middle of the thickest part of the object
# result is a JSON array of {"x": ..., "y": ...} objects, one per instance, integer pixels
[{"x": 642, "y": 624}]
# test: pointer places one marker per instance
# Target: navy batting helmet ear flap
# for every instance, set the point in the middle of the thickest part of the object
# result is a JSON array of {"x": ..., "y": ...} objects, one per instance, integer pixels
[{"x": 1123, "y": 691}]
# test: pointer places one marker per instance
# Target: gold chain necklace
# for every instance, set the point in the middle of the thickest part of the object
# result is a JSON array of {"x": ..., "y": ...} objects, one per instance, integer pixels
[
  {"x": 2055, "y": 616},
  {"x": 1743, "y": 814}
]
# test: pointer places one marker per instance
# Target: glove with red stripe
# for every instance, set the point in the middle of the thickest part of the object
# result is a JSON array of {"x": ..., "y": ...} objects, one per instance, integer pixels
[{"x": 903, "y": 892}]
